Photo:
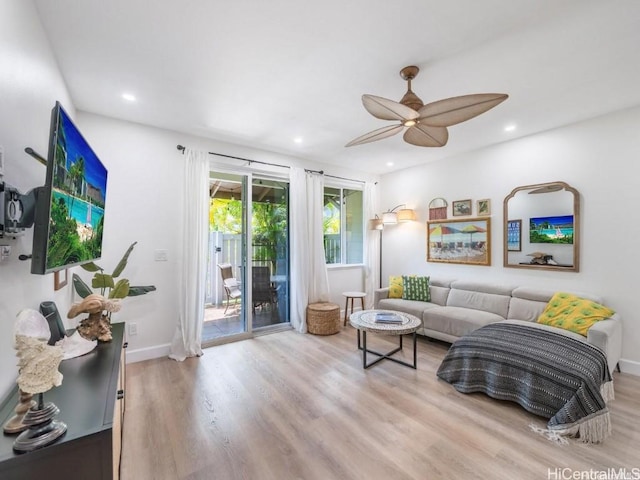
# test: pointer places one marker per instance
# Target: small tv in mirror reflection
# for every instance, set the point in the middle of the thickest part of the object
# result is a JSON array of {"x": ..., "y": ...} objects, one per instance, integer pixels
[{"x": 557, "y": 229}]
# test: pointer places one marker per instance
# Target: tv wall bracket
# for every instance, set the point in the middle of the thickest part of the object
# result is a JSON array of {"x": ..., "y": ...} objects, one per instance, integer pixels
[{"x": 17, "y": 210}]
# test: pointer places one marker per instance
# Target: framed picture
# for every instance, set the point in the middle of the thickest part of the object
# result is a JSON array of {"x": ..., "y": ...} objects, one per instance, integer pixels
[
  {"x": 514, "y": 235},
  {"x": 466, "y": 241},
  {"x": 483, "y": 207},
  {"x": 461, "y": 208}
]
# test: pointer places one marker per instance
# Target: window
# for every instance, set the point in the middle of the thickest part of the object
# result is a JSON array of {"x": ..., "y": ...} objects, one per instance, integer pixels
[{"x": 343, "y": 225}]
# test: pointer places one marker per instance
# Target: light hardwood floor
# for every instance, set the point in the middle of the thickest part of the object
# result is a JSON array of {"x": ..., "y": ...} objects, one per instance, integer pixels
[{"x": 292, "y": 406}]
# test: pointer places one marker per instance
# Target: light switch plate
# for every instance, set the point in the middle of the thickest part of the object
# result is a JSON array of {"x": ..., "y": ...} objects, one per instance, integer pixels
[{"x": 161, "y": 256}]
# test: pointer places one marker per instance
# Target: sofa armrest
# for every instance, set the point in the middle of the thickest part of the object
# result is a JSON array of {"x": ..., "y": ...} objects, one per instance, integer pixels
[
  {"x": 380, "y": 294},
  {"x": 607, "y": 334}
]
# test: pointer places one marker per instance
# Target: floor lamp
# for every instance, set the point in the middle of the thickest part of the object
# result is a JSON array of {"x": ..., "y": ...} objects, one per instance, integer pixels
[
  {"x": 390, "y": 217},
  {"x": 376, "y": 224}
]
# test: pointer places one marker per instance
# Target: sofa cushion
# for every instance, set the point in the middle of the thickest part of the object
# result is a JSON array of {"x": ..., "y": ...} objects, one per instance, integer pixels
[
  {"x": 480, "y": 296},
  {"x": 528, "y": 303},
  {"x": 573, "y": 313},
  {"x": 438, "y": 294},
  {"x": 457, "y": 321},
  {"x": 412, "y": 307},
  {"x": 415, "y": 288},
  {"x": 395, "y": 286},
  {"x": 521, "y": 309}
]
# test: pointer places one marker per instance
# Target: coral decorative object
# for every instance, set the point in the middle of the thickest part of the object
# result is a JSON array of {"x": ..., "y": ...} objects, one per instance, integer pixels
[{"x": 97, "y": 326}]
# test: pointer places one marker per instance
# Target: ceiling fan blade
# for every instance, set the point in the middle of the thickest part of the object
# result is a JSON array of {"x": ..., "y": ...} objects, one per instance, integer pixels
[
  {"x": 426, "y": 136},
  {"x": 386, "y": 109},
  {"x": 451, "y": 111},
  {"x": 378, "y": 134}
]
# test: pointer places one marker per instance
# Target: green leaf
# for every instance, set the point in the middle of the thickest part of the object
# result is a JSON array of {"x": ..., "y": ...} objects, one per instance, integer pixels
[
  {"x": 102, "y": 281},
  {"x": 120, "y": 290},
  {"x": 123, "y": 263},
  {"x": 81, "y": 288},
  {"x": 139, "y": 290},
  {"x": 91, "y": 267}
]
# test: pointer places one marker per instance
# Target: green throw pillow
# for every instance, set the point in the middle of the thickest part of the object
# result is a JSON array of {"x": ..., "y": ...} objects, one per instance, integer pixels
[
  {"x": 573, "y": 313},
  {"x": 416, "y": 288},
  {"x": 395, "y": 286}
]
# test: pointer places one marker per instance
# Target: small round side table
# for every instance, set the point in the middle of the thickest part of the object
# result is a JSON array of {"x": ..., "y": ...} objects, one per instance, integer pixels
[{"x": 350, "y": 296}]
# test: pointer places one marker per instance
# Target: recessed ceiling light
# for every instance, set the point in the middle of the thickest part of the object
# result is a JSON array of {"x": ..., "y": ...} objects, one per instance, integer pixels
[
  {"x": 509, "y": 128},
  {"x": 129, "y": 97},
  {"x": 297, "y": 140},
  {"x": 389, "y": 164}
]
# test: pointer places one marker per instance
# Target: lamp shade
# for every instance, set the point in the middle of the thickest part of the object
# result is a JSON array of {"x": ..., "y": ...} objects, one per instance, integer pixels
[
  {"x": 389, "y": 218},
  {"x": 376, "y": 224},
  {"x": 406, "y": 215}
]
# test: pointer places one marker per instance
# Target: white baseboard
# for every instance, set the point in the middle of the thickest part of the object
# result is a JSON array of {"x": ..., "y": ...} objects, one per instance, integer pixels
[
  {"x": 629, "y": 366},
  {"x": 148, "y": 353}
]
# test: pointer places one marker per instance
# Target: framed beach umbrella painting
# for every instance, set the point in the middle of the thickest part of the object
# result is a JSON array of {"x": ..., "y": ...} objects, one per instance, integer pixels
[{"x": 466, "y": 241}]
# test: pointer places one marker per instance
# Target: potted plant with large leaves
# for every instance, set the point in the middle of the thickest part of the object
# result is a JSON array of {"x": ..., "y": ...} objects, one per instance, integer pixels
[{"x": 99, "y": 306}]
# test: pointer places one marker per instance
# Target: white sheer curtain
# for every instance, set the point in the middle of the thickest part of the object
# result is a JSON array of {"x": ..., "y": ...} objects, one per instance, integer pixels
[
  {"x": 195, "y": 229},
  {"x": 372, "y": 245},
  {"x": 309, "y": 280}
]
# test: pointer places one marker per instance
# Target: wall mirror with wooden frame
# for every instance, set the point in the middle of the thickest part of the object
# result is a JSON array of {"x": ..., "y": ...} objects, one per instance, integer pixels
[{"x": 542, "y": 227}]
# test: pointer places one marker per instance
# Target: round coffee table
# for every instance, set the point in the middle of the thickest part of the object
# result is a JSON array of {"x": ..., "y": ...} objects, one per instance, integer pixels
[{"x": 365, "y": 321}]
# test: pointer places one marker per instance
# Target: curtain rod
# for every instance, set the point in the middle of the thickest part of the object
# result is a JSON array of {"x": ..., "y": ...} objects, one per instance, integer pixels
[{"x": 321, "y": 172}]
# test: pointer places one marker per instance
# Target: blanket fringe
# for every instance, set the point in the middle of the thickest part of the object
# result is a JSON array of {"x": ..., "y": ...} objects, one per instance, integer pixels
[
  {"x": 550, "y": 434},
  {"x": 606, "y": 390},
  {"x": 592, "y": 429}
]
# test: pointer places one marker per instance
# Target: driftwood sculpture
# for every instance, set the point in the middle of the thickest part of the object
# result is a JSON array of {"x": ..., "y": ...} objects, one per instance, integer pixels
[{"x": 97, "y": 326}]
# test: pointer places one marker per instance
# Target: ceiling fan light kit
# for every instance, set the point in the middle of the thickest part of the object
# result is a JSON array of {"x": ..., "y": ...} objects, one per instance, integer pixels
[{"x": 426, "y": 124}]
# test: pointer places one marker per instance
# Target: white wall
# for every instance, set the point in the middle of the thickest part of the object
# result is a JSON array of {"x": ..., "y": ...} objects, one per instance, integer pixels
[
  {"x": 597, "y": 157},
  {"x": 30, "y": 84}
]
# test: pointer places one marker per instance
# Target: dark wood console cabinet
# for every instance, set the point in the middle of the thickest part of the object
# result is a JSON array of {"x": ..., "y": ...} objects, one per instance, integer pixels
[{"x": 91, "y": 403}]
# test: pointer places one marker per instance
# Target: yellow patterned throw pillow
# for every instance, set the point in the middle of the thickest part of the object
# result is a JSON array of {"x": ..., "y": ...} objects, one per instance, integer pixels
[
  {"x": 573, "y": 313},
  {"x": 395, "y": 286}
]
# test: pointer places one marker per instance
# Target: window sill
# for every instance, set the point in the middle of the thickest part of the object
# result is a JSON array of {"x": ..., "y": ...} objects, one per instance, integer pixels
[{"x": 344, "y": 266}]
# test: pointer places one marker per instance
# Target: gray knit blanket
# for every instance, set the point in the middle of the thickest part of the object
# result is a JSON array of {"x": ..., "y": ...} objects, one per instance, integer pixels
[{"x": 549, "y": 374}]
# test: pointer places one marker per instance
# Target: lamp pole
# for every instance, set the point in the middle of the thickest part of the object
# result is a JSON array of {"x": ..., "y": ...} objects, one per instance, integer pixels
[{"x": 380, "y": 267}]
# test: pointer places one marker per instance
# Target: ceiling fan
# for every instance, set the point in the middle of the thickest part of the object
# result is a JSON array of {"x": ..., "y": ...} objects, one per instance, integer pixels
[{"x": 426, "y": 124}]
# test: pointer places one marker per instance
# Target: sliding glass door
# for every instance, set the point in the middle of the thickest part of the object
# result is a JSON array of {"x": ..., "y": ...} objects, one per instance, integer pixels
[
  {"x": 248, "y": 264},
  {"x": 226, "y": 288},
  {"x": 270, "y": 253}
]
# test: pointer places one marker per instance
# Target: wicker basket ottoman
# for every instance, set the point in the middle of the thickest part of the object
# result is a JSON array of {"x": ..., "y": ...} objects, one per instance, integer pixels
[{"x": 323, "y": 318}]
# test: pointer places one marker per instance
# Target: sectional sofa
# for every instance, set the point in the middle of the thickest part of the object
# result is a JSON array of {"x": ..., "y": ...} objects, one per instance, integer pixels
[{"x": 458, "y": 307}]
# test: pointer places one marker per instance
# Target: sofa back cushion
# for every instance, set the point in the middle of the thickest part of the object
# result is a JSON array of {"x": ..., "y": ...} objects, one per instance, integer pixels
[
  {"x": 529, "y": 303},
  {"x": 487, "y": 297},
  {"x": 439, "y": 289}
]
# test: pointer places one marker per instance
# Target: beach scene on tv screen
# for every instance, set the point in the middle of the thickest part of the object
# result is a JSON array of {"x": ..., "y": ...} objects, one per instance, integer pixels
[
  {"x": 77, "y": 201},
  {"x": 558, "y": 229}
]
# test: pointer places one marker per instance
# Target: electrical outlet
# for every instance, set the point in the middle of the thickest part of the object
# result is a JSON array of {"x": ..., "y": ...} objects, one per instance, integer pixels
[
  {"x": 5, "y": 252},
  {"x": 133, "y": 329}
]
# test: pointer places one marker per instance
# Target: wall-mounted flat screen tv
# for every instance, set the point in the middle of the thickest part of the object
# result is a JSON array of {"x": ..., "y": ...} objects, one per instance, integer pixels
[
  {"x": 557, "y": 229},
  {"x": 70, "y": 206}
]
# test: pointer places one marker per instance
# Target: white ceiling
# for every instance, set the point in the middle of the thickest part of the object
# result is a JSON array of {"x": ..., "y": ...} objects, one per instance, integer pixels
[{"x": 261, "y": 73}]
